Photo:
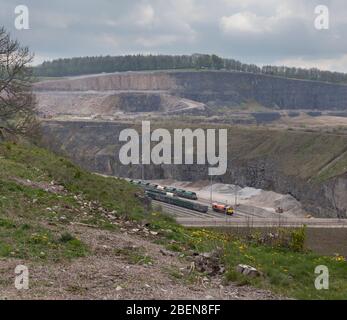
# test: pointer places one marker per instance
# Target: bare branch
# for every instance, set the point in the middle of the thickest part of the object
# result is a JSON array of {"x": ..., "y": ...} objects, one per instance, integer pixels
[{"x": 17, "y": 102}]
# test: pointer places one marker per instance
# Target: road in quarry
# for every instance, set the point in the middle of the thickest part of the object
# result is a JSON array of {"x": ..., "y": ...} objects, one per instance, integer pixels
[{"x": 251, "y": 209}]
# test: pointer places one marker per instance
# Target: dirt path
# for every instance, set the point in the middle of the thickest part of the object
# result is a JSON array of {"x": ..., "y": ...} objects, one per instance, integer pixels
[{"x": 111, "y": 273}]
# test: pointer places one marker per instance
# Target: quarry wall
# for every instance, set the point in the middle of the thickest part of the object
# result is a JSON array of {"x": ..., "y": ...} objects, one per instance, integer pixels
[{"x": 216, "y": 88}]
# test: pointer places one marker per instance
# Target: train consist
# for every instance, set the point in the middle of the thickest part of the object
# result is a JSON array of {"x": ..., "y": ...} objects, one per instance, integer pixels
[
  {"x": 177, "y": 192},
  {"x": 171, "y": 195},
  {"x": 174, "y": 196},
  {"x": 174, "y": 200}
]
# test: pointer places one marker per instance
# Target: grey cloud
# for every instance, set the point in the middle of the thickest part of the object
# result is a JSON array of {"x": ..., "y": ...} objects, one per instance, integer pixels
[{"x": 68, "y": 28}]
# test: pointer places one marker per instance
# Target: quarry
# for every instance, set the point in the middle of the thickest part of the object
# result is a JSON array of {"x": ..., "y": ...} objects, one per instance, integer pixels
[{"x": 84, "y": 116}]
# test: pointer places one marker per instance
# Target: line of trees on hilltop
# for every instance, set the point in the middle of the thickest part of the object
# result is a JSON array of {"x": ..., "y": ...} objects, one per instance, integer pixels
[
  {"x": 305, "y": 74},
  {"x": 108, "y": 64},
  {"x": 92, "y": 65}
]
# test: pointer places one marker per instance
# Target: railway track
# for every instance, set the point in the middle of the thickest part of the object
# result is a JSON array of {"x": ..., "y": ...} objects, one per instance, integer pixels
[
  {"x": 177, "y": 210},
  {"x": 192, "y": 218},
  {"x": 243, "y": 218},
  {"x": 183, "y": 212},
  {"x": 210, "y": 213}
]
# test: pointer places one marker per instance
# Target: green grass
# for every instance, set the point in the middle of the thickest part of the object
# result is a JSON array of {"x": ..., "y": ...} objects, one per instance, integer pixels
[
  {"x": 26, "y": 209},
  {"x": 296, "y": 154},
  {"x": 39, "y": 79},
  {"x": 24, "y": 241},
  {"x": 286, "y": 271},
  {"x": 334, "y": 169},
  {"x": 134, "y": 255},
  {"x": 254, "y": 106},
  {"x": 39, "y": 164}
]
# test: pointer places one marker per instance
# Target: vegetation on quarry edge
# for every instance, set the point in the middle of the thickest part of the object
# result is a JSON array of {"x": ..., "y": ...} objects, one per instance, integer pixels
[
  {"x": 293, "y": 150},
  {"x": 41, "y": 193},
  {"x": 94, "y": 65}
]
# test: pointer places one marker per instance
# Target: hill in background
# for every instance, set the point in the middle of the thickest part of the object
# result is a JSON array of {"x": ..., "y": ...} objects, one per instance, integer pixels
[{"x": 108, "y": 64}]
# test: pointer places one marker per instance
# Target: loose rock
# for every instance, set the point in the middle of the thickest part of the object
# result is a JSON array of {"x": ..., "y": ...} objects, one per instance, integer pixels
[{"x": 248, "y": 270}]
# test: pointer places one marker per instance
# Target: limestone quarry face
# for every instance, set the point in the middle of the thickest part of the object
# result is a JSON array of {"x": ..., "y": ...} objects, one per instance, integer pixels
[
  {"x": 111, "y": 104},
  {"x": 133, "y": 81},
  {"x": 211, "y": 88}
]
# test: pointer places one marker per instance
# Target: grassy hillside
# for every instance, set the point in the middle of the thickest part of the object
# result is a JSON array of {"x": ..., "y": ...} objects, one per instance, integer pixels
[
  {"x": 313, "y": 156},
  {"x": 43, "y": 195},
  {"x": 307, "y": 155},
  {"x": 40, "y": 193}
]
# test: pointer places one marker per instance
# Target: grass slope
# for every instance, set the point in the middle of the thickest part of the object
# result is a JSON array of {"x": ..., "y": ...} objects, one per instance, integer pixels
[
  {"x": 32, "y": 219},
  {"x": 314, "y": 156}
]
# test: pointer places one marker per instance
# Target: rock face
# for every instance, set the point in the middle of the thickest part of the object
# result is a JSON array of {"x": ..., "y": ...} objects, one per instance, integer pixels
[
  {"x": 233, "y": 87},
  {"x": 111, "y": 104},
  {"x": 108, "y": 82},
  {"x": 303, "y": 165},
  {"x": 215, "y": 88}
]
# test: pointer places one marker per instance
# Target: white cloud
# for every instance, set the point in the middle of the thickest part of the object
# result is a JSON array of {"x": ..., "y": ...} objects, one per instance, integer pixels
[
  {"x": 247, "y": 22},
  {"x": 191, "y": 10},
  {"x": 251, "y": 22},
  {"x": 109, "y": 40},
  {"x": 338, "y": 64},
  {"x": 55, "y": 20},
  {"x": 145, "y": 15},
  {"x": 156, "y": 41},
  {"x": 266, "y": 16}
]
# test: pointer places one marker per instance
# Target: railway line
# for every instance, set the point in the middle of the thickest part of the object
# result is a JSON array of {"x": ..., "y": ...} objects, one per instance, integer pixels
[
  {"x": 194, "y": 206},
  {"x": 192, "y": 218},
  {"x": 187, "y": 213},
  {"x": 199, "y": 212},
  {"x": 239, "y": 213},
  {"x": 182, "y": 212}
]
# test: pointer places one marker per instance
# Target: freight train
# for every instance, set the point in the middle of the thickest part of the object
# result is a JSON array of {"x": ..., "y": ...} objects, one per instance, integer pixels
[
  {"x": 172, "y": 199},
  {"x": 172, "y": 196},
  {"x": 178, "y": 192}
]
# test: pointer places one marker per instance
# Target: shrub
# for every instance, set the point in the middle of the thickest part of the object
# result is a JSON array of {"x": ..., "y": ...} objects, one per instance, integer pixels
[
  {"x": 66, "y": 237},
  {"x": 281, "y": 238},
  {"x": 297, "y": 241}
]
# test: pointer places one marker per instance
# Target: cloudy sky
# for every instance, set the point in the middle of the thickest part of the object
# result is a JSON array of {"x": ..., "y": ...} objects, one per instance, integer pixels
[{"x": 254, "y": 31}]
